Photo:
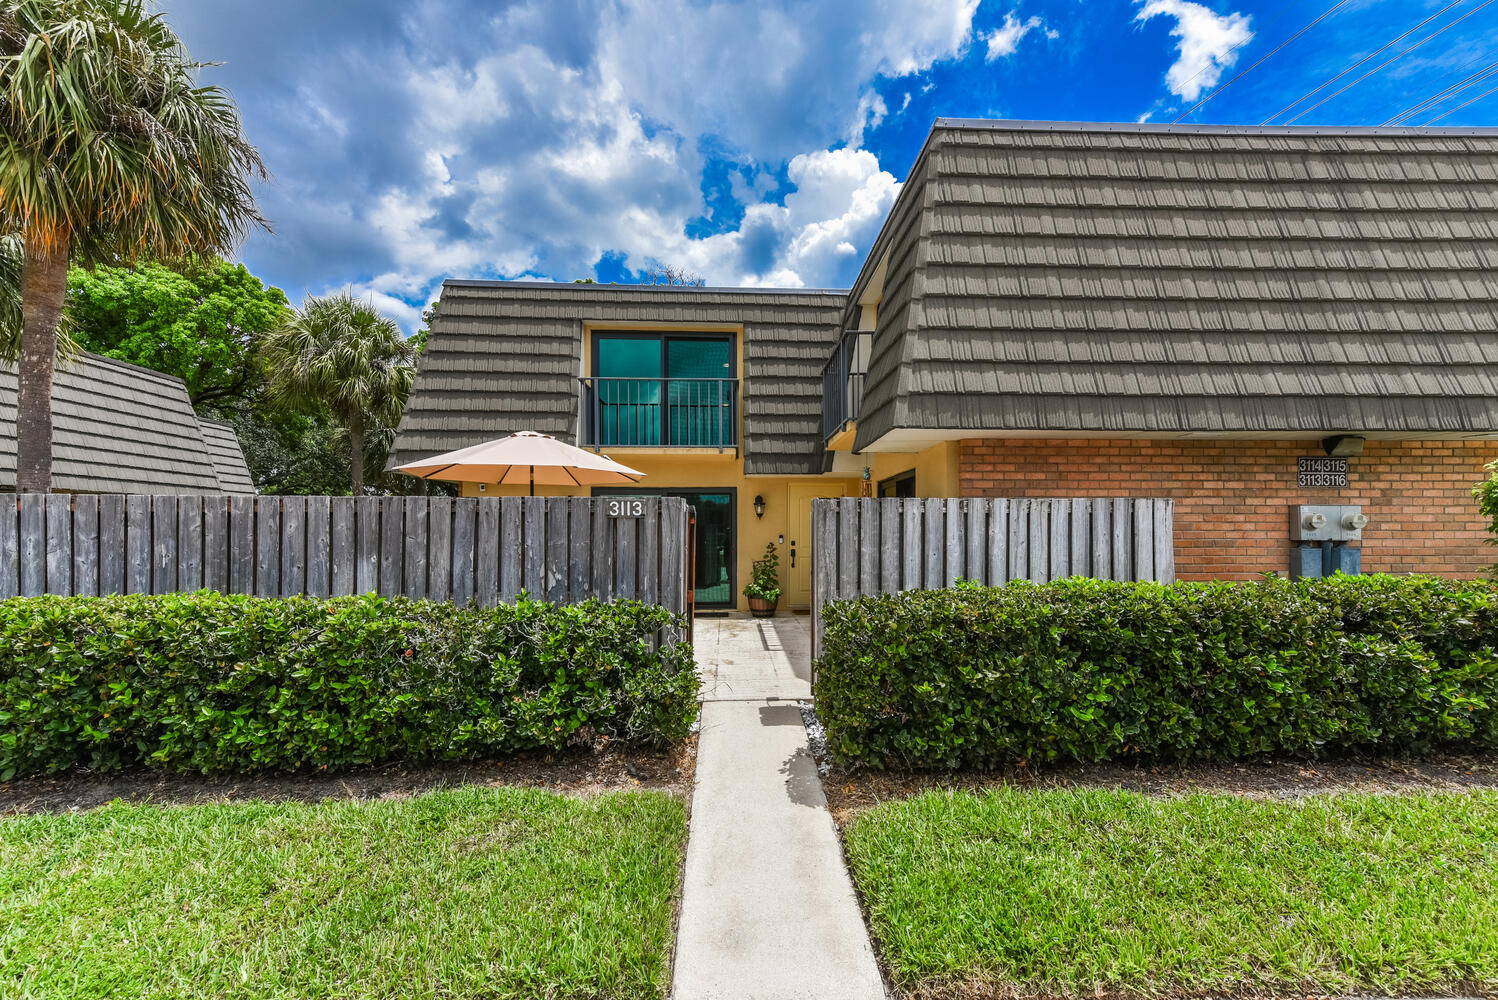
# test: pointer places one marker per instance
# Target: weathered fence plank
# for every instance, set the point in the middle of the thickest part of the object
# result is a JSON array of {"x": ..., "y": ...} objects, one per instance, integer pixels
[
  {"x": 189, "y": 543},
  {"x": 319, "y": 522},
  {"x": 1144, "y": 540},
  {"x": 369, "y": 534},
  {"x": 242, "y": 545},
  {"x": 414, "y": 561},
  {"x": 580, "y": 552},
  {"x": 512, "y": 551},
  {"x": 650, "y": 552},
  {"x": 486, "y": 555},
  {"x": 911, "y": 513},
  {"x": 10, "y": 546},
  {"x": 343, "y": 542},
  {"x": 86, "y": 545},
  {"x": 268, "y": 547},
  {"x": 33, "y": 546},
  {"x": 293, "y": 546},
  {"x": 59, "y": 544},
  {"x": 936, "y": 544},
  {"x": 1019, "y": 539},
  {"x": 137, "y": 544},
  {"x": 555, "y": 551},
  {"x": 626, "y": 530},
  {"x": 871, "y": 547},
  {"x": 111, "y": 544},
  {"x": 439, "y": 549},
  {"x": 215, "y": 542},
  {"x": 534, "y": 542},
  {"x": 975, "y": 559},
  {"x": 868, "y": 545},
  {"x": 465, "y": 521},
  {"x": 163, "y": 545},
  {"x": 602, "y": 570},
  {"x": 998, "y": 542}
]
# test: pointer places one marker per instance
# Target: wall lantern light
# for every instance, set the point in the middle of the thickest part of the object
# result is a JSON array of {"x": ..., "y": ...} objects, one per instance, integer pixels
[{"x": 759, "y": 506}]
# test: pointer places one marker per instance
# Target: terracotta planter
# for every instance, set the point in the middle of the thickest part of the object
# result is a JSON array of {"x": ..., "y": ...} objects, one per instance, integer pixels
[{"x": 761, "y": 608}]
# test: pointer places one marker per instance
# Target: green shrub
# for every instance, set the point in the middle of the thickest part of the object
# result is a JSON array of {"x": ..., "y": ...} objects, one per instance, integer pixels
[
  {"x": 211, "y": 682},
  {"x": 1089, "y": 670}
]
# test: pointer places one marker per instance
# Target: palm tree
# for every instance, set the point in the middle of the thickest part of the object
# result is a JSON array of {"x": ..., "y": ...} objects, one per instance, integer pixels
[
  {"x": 109, "y": 149},
  {"x": 339, "y": 354}
]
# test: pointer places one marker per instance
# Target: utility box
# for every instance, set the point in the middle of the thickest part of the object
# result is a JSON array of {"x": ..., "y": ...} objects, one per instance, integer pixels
[
  {"x": 1319, "y": 534},
  {"x": 1326, "y": 523}
]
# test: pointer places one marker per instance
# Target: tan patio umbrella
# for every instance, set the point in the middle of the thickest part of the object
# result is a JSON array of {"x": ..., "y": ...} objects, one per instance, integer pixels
[{"x": 520, "y": 458}]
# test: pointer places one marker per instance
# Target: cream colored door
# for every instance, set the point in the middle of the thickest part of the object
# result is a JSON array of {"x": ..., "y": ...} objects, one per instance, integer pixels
[{"x": 798, "y": 540}]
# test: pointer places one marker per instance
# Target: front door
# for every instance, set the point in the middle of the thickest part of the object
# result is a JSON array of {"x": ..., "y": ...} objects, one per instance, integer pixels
[{"x": 798, "y": 549}]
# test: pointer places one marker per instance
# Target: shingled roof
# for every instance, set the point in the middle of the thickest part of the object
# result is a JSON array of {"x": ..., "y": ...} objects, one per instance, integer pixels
[
  {"x": 1085, "y": 278},
  {"x": 120, "y": 428},
  {"x": 504, "y": 356}
]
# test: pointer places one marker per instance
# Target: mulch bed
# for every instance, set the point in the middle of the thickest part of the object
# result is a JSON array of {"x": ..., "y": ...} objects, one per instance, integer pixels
[
  {"x": 574, "y": 772},
  {"x": 851, "y": 792}
]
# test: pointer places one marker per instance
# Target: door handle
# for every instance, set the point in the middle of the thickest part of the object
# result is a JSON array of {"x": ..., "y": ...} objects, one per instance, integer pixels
[{"x": 793, "y": 555}]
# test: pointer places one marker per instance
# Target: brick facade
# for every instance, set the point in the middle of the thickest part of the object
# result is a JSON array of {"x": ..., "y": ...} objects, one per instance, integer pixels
[{"x": 1231, "y": 496}]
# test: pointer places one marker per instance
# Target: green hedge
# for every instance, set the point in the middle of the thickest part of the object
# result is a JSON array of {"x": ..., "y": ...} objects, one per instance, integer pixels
[
  {"x": 210, "y": 682},
  {"x": 1088, "y": 670}
]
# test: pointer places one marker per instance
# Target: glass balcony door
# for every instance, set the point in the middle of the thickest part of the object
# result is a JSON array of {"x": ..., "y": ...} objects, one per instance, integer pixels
[{"x": 664, "y": 389}]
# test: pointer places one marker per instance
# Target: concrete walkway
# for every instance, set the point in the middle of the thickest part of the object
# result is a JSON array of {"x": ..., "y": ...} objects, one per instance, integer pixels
[{"x": 768, "y": 910}]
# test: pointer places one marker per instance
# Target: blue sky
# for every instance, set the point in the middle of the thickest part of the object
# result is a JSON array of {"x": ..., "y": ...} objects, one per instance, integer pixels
[{"x": 755, "y": 142}]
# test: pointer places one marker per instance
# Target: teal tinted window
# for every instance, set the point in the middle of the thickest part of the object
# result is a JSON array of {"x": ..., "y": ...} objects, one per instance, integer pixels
[
  {"x": 629, "y": 389},
  {"x": 663, "y": 389}
]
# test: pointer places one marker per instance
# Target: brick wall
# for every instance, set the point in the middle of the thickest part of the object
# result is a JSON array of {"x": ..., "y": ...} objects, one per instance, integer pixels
[{"x": 1231, "y": 496}]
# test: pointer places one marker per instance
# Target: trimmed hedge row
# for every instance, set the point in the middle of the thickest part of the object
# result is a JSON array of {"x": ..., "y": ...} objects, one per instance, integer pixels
[
  {"x": 1089, "y": 670},
  {"x": 213, "y": 682}
]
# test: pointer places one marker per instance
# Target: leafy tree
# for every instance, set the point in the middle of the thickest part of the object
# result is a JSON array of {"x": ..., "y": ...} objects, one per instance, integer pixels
[
  {"x": 109, "y": 149},
  {"x": 1486, "y": 494},
  {"x": 203, "y": 323},
  {"x": 340, "y": 356}
]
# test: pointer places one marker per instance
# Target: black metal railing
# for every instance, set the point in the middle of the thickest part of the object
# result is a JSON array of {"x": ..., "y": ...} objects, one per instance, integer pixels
[
  {"x": 842, "y": 381},
  {"x": 660, "y": 412}
]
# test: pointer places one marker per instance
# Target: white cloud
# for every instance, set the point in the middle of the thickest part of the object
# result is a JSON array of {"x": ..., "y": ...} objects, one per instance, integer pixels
[
  {"x": 1208, "y": 43},
  {"x": 550, "y": 132},
  {"x": 1004, "y": 40}
]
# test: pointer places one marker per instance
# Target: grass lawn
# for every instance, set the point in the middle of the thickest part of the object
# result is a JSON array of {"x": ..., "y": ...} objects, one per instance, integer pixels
[
  {"x": 472, "y": 892},
  {"x": 1078, "y": 891}
]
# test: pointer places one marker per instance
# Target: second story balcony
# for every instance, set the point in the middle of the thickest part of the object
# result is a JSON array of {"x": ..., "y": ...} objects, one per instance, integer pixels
[
  {"x": 842, "y": 387},
  {"x": 660, "y": 412}
]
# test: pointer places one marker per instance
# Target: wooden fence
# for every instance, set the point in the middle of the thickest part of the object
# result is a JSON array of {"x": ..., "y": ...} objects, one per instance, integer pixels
[
  {"x": 863, "y": 546},
  {"x": 486, "y": 550}
]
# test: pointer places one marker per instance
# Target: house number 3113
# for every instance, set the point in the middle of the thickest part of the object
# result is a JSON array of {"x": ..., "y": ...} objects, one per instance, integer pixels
[{"x": 626, "y": 508}]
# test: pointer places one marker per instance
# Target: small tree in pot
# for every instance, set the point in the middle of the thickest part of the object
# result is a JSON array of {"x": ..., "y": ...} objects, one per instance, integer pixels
[{"x": 763, "y": 588}]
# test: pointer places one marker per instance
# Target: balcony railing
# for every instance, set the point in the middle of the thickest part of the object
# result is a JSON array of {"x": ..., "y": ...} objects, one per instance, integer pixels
[
  {"x": 842, "y": 381},
  {"x": 660, "y": 412}
]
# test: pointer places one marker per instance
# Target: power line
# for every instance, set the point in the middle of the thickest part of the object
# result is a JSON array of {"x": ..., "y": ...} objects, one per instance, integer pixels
[
  {"x": 1396, "y": 38},
  {"x": 1445, "y": 27},
  {"x": 1430, "y": 102},
  {"x": 1454, "y": 110},
  {"x": 1324, "y": 15}
]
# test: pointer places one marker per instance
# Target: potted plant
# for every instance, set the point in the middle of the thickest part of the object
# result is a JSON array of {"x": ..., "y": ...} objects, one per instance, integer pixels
[{"x": 763, "y": 588}]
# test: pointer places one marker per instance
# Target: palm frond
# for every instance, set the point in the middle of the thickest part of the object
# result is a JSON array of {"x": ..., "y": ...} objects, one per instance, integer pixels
[{"x": 106, "y": 133}]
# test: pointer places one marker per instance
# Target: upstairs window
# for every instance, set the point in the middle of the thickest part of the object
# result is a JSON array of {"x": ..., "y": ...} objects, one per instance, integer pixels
[{"x": 668, "y": 389}]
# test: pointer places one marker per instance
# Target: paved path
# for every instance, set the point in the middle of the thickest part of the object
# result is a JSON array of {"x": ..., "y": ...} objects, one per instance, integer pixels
[{"x": 768, "y": 910}]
